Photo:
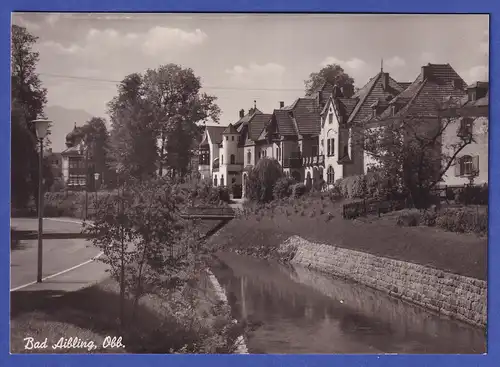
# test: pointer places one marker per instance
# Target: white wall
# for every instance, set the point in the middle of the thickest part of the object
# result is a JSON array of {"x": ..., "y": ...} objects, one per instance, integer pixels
[{"x": 329, "y": 130}]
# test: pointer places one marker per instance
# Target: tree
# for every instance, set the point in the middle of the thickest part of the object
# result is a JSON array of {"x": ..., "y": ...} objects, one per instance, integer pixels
[
  {"x": 262, "y": 179},
  {"x": 332, "y": 73},
  {"x": 132, "y": 142},
  {"x": 177, "y": 106},
  {"x": 96, "y": 137},
  {"x": 145, "y": 242},
  {"x": 28, "y": 99},
  {"x": 412, "y": 152}
]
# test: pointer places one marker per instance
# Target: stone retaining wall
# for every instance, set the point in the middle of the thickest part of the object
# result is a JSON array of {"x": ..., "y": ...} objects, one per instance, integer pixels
[{"x": 450, "y": 294}]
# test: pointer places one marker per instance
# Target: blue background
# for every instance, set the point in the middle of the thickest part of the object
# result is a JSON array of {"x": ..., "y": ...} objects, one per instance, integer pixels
[{"x": 387, "y": 6}]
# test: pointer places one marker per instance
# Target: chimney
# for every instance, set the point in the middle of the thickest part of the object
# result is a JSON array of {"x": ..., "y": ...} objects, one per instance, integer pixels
[
  {"x": 348, "y": 90},
  {"x": 242, "y": 113},
  {"x": 385, "y": 81},
  {"x": 282, "y": 104},
  {"x": 426, "y": 71}
]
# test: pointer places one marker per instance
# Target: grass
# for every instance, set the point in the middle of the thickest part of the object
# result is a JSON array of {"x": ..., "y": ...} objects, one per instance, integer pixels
[
  {"x": 319, "y": 219},
  {"x": 175, "y": 322}
]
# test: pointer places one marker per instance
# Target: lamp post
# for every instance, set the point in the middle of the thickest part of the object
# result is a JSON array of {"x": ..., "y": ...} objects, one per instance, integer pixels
[
  {"x": 41, "y": 127},
  {"x": 96, "y": 179}
]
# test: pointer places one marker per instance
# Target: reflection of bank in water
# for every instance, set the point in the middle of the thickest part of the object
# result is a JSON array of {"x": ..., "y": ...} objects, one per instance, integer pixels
[{"x": 302, "y": 311}]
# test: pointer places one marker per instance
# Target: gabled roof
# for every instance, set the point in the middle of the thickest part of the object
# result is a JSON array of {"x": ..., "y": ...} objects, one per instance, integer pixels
[
  {"x": 230, "y": 130},
  {"x": 215, "y": 133},
  {"x": 372, "y": 91},
  {"x": 257, "y": 124},
  {"x": 423, "y": 96},
  {"x": 306, "y": 113},
  {"x": 74, "y": 150},
  {"x": 243, "y": 120},
  {"x": 284, "y": 123}
]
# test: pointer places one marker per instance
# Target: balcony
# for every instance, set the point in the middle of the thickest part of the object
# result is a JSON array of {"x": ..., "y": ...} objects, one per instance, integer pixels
[
  {"x": 317, "y": 160},
  {"x": 294, "y": 161}
]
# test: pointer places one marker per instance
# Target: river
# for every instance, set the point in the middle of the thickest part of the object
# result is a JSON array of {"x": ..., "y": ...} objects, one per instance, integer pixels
[{"x": 296, "y": 310}]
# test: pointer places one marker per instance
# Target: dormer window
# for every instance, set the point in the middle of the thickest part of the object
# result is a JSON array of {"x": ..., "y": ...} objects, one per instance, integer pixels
[{"x": 465, "y": 129}]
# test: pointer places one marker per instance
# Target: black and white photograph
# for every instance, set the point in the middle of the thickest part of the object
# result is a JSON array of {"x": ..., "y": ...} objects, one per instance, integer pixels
[{"x": 249, "y": 183}]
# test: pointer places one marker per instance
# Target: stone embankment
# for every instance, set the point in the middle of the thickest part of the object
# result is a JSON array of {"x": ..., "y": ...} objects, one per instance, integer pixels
[{"x": 450, "y": 294}]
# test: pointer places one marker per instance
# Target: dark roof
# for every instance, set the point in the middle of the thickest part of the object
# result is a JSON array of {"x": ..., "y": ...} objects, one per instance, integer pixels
[
  {"x": 74, "y": 150},
  {"x": 371, "y": 92},
  {"x": 306, "y": 113},
  {"x": 257, "y": 124},
  {"x": 230, "y": 130},
  {"x": 242, "y": 121},
  {"x": 215, "y": 133},
  {"x": 424, "y": 95},
  {"x": 284, "y": 122},
  {"x": 346, "y": 105},
  {"x": 404, "y": 85}
]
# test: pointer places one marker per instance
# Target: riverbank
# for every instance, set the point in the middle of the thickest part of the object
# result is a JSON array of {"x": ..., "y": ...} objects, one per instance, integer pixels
[{"x": 424, "y": 262}]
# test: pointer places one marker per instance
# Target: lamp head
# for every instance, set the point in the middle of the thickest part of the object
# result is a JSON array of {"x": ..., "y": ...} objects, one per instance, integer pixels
[{"x": 42, "y": 127}]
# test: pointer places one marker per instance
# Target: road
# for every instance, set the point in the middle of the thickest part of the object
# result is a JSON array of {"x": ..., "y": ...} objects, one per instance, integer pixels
[{"x": 67, "y": 256}]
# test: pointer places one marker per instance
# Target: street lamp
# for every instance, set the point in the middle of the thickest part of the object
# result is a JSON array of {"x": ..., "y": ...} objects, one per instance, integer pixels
[
  {"x": 41, "y": 127},
  {"x": 96, "y": 179}
]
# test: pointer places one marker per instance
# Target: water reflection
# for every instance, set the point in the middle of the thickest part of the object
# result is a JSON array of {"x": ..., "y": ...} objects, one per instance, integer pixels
[{"x": 303, "y": 311}]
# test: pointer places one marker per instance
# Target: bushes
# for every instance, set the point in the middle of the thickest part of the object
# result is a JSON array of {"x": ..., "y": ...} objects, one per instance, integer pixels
[
  {"x": 283, "y": 188},
  {"x": 262, "y": 179},
  {"x": 461, "y": 220},
  {"x": 298, "y": 190},
  {"x": 371, "y": 185},
  {"x": 475, "y": 195}
]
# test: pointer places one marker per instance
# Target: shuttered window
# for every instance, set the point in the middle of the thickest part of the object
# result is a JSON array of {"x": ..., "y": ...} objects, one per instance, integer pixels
[{"x": 467, "y": 166}]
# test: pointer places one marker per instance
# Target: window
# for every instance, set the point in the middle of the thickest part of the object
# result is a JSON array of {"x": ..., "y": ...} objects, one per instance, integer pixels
[
  {"x": 233, "y": 159},
  {"x": 465, "y": 130},
  {"x": 330, "y": 118},
  {"x": 314, "y": 150},
  {"x": 260, "y": 154},
  {"x": 227, "y": 138},
  {"x": 330, "y": 146},
  {"x": 346, "y": 151},
  {"x": 467, "y": 166},
  {"x": 233, "y": 180},
  {"x": 330, "y": 175},
  {"x": 221, "y": 159},
  {"x": 249, "y": 157},
  {"x": 215, "y": 180},
  {"x": 232, "y": 138},
  {"x": 277, "y": 153},
  {"x": 222, "y": 180}
]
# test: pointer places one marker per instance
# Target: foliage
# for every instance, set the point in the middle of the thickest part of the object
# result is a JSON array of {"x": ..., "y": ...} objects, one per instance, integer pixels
[
  {"x": 28, "y": 99},
  {"x": 145, "y": 243},
  {"x": 132, "y": 142},
  {"x": 298, "y": 190},
  {"x": 261, "y": 180},
  {"x": 463, "y": 220},
  {"x": 476, "y": 195},
  {"x": 332, "y": 73},
  {"x": 283, "y": 188},
  {"x": 174, "y": 97},
  {"x": 409, "y": 218},
  {"x": 411, "y": 151}
]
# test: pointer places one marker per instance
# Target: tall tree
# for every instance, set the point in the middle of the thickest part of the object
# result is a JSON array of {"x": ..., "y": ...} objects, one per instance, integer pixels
[
  {"x": 28, "y": 99},
  {"x": 95, "y": 135},
  {"x": 177, "y": 105},
  {"x": 332, "y": 73},
  {"x": 132, "y": 143}
]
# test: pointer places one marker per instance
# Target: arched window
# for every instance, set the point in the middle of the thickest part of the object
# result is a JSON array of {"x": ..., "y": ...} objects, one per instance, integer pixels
[
  {"x": 330, "y": 175},
  {"x": 222, "y": 180},
  {"x": 233, "y": 159},
  {"x": 330, "y": 143}
]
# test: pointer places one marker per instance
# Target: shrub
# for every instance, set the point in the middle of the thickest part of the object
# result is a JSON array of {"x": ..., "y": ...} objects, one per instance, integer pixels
[
  {"x": 298, "y": 190},
  {"x": 463, "y": 220},
  {"x": 428, "y": 218},
  {"x": 371, "y": 185},
  {"x": 283, "y": 188},
  {"x": 408, "y": 218},
  {"x": 476, "y": 195},
  {"x": 262, "y": 179}
]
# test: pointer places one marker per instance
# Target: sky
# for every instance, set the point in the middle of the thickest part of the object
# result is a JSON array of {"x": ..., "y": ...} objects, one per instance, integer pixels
[{"x": 242, "y": 58}]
